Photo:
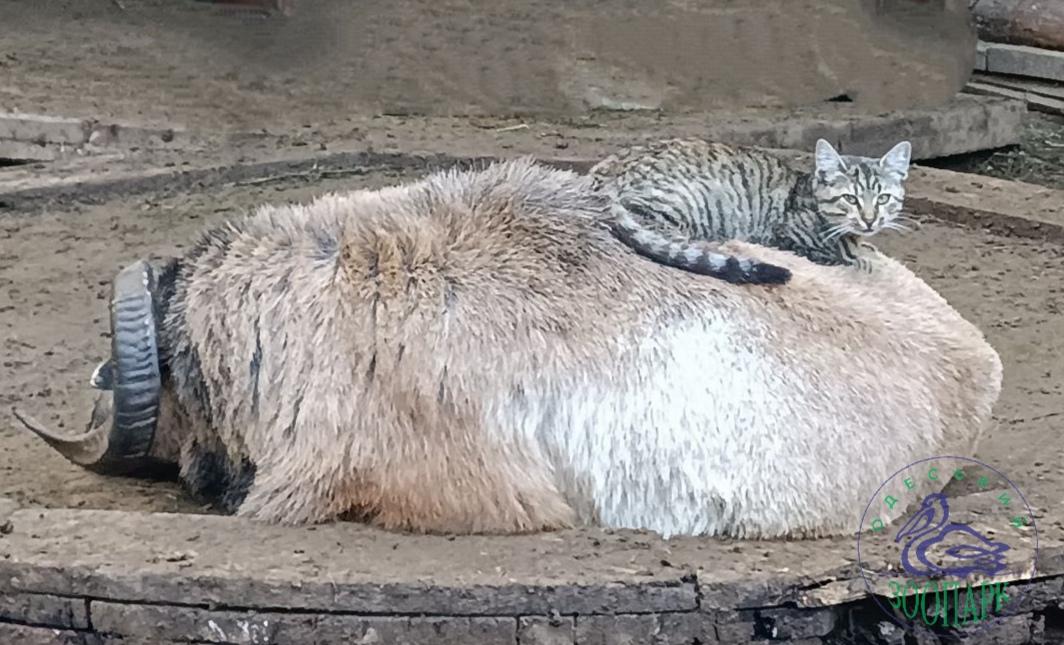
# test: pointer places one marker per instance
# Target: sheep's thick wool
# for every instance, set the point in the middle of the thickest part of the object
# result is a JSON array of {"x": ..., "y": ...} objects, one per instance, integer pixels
[{"x": 475, "y": 352}]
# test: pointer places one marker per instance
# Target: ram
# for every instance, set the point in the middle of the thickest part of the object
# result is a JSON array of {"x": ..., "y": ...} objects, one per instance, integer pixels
[{"x": 475, "y": 353}]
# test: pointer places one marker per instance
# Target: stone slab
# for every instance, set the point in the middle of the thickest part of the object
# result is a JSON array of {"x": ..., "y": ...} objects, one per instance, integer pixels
[
  {"x": 1038, "y": 594},
  {"x": 108, "y": 176},
  {"x": 180, "y": 577},
  {"x": 661, "y": 629},
  {"x": 206, "y": 626},
  {"x": 545, "y": 630},
  {"x": 1023, "y": 60},
  {"x": 1010, "y": 207},
  {"x": 736, "y": 632},
  {"x": 789, "y": 624},
  {"x": 26, "y": 635},
  {"x": 45, "y": 129},
  {"x": 617, "y": 630},
  {"x": 43, "y": 609},
  {"x": 21, "y": 151},
  {"x": 966, "y": 124},
  {"x": 204, "y": 560}
]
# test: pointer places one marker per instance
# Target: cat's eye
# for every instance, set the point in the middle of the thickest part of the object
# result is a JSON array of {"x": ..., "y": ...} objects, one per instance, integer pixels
[
  {"x": 851, "y": 199},
  {"x": 882, "y": 199}
]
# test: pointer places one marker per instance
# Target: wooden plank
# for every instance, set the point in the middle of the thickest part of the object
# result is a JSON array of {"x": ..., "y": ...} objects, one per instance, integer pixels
[
  {"x": 1043, "y": 96},
  {"x": 1034, "y": 101},
  {"x": 1022, "y": 60},
  {"x": 1051, "y": 89}
]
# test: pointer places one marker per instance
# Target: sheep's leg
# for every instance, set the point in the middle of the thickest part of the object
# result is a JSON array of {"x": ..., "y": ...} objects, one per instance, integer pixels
[
  {"x": 426, "y": 468},
  {"x": 420, "y": 501},
  {"x": 210, "y": 475},
  {"x": 279, "y": 495},
  {"x": 475, "y": 502}
]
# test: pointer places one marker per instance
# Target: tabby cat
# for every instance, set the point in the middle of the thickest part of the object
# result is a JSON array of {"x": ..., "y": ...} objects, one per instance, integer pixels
[{"x": 675, "y": 201}]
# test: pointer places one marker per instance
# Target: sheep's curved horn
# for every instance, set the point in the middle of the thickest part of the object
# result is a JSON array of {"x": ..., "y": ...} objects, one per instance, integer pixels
[
  {"x": 134, "y": 362},
  {"x": 132, "y": 375},
  {"x": 84, "y": 450}
]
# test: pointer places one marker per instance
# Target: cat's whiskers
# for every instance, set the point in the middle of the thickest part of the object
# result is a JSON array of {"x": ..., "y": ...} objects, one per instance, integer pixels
[
  {"x": 837, "y": 231},
  {"x": 898, "y": 226}
]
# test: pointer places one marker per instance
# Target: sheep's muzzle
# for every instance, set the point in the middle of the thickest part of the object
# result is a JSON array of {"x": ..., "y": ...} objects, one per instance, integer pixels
[{"x": 121, "y": 430}]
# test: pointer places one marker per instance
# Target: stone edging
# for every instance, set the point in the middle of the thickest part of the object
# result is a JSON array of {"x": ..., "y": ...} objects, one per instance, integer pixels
[
  {"x": 70, "y": 576},
  {"x": 1007, "y": 207},
  {"x": 965, "y": 124}
]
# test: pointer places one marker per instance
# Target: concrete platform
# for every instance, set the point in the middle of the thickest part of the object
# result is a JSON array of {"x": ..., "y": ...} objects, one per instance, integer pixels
[{"x": 176, "y": 578}]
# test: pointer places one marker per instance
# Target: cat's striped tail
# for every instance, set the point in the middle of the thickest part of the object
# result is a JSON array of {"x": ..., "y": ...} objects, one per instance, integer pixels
[{"x": 696, "y": 256}]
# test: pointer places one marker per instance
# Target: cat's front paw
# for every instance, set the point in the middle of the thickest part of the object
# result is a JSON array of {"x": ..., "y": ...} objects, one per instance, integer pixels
[
  {"x": 864, "y": 265},
  {"x": 864, "y": 260}
]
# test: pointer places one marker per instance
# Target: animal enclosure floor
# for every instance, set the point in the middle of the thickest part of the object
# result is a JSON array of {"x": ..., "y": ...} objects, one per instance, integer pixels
[{"x": 56, "y": 267}]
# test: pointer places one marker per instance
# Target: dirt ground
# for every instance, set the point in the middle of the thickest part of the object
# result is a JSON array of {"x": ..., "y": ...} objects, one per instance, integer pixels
[{"x": 200, "y": 65}]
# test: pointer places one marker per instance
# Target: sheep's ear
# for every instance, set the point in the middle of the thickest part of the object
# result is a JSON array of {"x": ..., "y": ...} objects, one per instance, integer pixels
[
  {"x": 828, "y": 162},
  {"x": 897, "y": 159}
]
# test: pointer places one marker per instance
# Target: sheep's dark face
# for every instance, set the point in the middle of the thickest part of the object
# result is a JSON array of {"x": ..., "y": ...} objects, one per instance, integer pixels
[{"x": 122, "y": 426}]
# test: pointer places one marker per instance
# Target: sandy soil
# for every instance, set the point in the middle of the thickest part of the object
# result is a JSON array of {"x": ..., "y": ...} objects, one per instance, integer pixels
[
  {"x": 198, "y": 65},
  {"x": 55, "y": 268}
]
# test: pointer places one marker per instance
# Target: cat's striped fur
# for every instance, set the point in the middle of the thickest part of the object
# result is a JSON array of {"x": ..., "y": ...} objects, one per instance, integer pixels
[{"x": 675, "y": 201}]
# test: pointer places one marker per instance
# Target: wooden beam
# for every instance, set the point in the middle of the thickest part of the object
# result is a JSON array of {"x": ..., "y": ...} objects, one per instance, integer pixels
[
  {"x": 1037, "y": 23},
  {"x": 1039, "y": 96},
  {"x": 1022, "y": 60}
]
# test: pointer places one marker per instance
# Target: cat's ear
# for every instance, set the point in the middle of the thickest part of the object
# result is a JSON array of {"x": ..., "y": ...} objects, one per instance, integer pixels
[
  {"x": 897, "y": 159},
  {"x": 828, "y": 162}
]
